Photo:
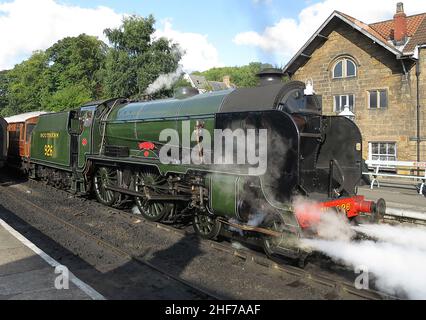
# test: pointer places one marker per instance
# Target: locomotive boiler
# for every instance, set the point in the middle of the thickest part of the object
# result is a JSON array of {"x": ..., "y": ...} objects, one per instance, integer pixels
[{"x": 116, "y": 149}]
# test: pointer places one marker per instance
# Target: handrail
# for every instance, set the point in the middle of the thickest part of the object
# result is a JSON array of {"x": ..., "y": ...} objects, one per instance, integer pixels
[
  {"x": 414, "y": 164},
  {"x": 378, "y": 164}
]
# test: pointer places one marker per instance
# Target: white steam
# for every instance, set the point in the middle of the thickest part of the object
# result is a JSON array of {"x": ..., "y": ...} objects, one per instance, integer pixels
[
  {"x": 402, "y": 235},
  {"x": 397, "y": 260},
  {"x": 334, "y": 226},
  {"x": 257, "y": 219},
  {"x": 326, "y": 223},
  {"x": 135, "y": 210},
  {"x": 165, "y": 81}
]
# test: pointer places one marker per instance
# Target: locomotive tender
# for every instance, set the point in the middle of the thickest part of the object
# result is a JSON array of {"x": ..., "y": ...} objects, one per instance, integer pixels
[{"x": 113, "y": 149}]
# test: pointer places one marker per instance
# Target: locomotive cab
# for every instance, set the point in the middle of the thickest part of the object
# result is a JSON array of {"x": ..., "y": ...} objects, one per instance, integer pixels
[{"x": 330, "y": 148}]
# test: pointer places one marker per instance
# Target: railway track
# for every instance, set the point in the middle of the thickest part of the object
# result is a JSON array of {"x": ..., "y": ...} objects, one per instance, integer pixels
[
  {"x": 334, "y": 284},
  {"x": 205, "y": 295}
]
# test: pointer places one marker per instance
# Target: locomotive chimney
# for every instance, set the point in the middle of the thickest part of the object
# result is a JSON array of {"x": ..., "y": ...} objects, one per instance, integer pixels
[
  {"x": 270, "y": 76},
  {"x": 185, "y": 92},
  {"x": 400, "y": 25}
]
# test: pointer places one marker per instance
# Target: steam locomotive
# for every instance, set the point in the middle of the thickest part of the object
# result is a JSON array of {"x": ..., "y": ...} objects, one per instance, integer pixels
[{"x": 115, "y": 149}]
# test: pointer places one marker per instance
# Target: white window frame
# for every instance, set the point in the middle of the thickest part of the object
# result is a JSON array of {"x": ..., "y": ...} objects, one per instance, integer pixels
[
  {"x": 378, "y": 91},
  {"x": 345, "y": 68},
  {"x": 387, "y": 155},
  {"x": 340, "y": 99}
]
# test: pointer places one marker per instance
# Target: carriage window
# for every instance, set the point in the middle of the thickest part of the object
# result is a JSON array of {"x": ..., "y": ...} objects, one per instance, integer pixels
[
  {"x": 18, "y": 132},
  {"x": 30, "y": 128}
]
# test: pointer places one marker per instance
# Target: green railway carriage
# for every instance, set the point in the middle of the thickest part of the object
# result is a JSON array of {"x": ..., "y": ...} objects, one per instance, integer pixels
[{"x": 113, "y": 148}]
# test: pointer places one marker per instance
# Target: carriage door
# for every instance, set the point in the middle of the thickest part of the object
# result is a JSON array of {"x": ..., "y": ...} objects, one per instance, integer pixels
[
  {"x": 87, "y": 115},
  {"x": 21, "y": 138}
]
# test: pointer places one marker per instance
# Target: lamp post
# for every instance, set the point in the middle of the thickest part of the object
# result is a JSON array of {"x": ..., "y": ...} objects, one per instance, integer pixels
[{"x": 348, "y": 113}]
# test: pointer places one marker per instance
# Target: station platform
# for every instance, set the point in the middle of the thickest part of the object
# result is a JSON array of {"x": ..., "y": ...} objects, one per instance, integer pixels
[
  {"x": 27, "y": 273},
  {"x": 400, "y": 199}
]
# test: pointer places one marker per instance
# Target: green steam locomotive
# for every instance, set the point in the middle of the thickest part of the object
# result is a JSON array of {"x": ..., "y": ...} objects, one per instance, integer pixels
[{"x": 232, "y": 160}]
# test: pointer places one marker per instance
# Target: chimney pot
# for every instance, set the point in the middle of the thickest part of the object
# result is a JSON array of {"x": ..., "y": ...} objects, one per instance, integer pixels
[
  {"x": 227, "y": 81},
  {"x": 400, "y": 25}
]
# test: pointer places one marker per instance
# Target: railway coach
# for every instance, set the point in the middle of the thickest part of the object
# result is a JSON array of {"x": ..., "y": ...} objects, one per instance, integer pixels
[
  {"x": 19, "y": 129},
  {"x": 3, "y": 142}
]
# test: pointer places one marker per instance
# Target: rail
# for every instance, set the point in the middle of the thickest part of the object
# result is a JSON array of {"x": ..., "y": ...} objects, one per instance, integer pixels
[{"x": 387, "y": 165}]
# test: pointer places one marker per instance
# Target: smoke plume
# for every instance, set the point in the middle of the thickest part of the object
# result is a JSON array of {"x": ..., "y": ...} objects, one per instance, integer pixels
[{"x": 165, "y": 81}]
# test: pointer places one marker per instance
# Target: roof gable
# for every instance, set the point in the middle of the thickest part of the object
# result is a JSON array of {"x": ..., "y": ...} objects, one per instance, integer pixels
[{"x": 381, "y": 33}]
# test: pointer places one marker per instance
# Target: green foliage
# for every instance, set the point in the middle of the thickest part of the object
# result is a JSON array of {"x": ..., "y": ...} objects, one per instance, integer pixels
[
  {"x": 77, "y": 62},
  {"x": 4, "y": 90},
  {"x": 60, "y": 78},
  {"x": 68, "y": 98},
  {"x": 242, "y": 77},
  {"x": 181, "y": 83},
  {"x": 79, "y": 69},
  {"x": 135, "y": 59},
  {"x": 28, "y": 84}
]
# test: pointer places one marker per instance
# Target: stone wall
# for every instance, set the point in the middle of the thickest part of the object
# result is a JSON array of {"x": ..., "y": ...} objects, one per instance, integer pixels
[{"x": 377, "y": 69}]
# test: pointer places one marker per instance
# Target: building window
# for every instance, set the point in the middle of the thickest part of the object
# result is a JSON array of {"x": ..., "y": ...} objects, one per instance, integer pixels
[
  {"x": 344, "y": 68},
  {"x": 382, "y": 151},
  {"x": 341, "y": 101},
  {"x": 378, "y": 99}
]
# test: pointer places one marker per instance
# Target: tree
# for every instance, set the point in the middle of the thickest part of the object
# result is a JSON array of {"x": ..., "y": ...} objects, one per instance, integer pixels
[
  {"x": 4, "y": 90},
  {"x": 27, "y": 84},
  {"x": 68, "y": 98},
  {"x": 136, "y": 59},
  {"x": 76, "y": 62},
  {"x": 61, "y": 78},
  {"x": 242, "y": 77},
  {"x": 182, "y": 82}
]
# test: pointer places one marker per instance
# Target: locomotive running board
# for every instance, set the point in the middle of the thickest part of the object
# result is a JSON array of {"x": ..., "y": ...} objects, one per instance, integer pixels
[
  {"x": 245, "y": 227},
  {"x": 149, "y": 197}
]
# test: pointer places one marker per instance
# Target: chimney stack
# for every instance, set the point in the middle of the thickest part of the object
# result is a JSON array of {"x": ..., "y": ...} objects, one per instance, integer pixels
[
  {"x": 400, "y": 23},
  {"x": 227, "y": 81}
]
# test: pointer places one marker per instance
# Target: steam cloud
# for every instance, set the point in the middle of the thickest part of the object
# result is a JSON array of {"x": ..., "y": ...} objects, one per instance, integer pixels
[
  {"x": 328, "y": 224},
  {"x": 165, "y": 81},
  {"x": 397, "y": 259}
]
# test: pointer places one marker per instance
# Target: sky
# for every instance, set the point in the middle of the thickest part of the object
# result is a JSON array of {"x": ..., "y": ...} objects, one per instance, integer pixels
[{"x": 212, "y": 33}]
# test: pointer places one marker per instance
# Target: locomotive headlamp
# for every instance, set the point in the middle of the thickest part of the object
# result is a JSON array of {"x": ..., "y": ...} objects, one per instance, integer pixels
[
  {"x": 348, "y": 114},
  {"x": 309, "y": 91}
]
